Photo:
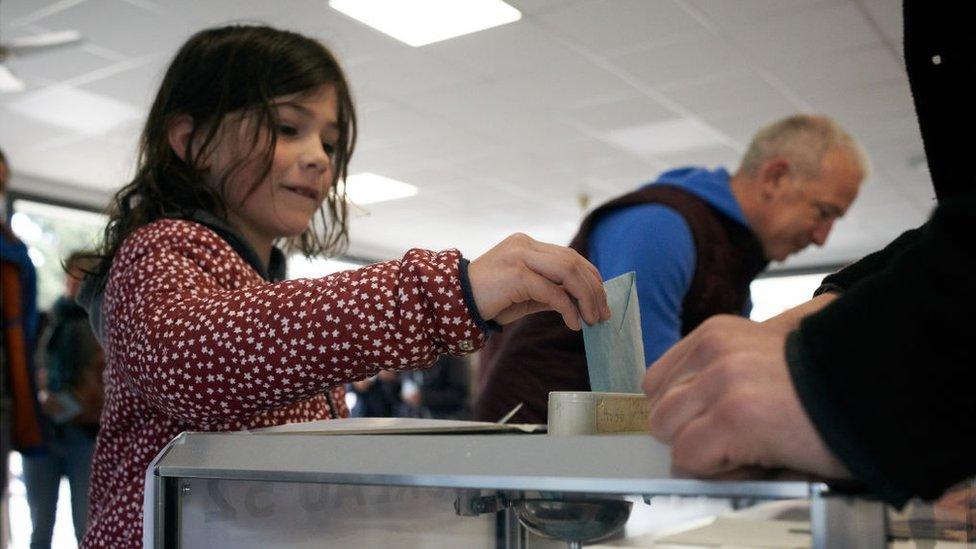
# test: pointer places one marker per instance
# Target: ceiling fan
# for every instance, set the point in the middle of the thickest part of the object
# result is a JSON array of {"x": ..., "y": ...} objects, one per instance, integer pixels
[{"x": 30, "y": 45}]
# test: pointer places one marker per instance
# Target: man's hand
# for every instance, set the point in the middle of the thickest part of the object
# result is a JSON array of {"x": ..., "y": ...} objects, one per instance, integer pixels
[
  {"x": 958, "y": 504},
  {"x": 723, "y": 398},
  {"x": 789, "y": 320}
]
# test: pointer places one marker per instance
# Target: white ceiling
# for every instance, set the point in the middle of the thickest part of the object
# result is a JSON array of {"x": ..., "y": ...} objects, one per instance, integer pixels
[{"x": 505, "y": 129}]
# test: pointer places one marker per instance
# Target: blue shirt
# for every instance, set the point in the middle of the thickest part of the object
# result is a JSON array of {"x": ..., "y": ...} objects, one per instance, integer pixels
[{"x": 656, "y": 242}]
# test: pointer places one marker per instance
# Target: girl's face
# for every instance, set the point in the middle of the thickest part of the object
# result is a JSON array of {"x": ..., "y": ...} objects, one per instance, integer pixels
[{"x": 284, "y": 202}]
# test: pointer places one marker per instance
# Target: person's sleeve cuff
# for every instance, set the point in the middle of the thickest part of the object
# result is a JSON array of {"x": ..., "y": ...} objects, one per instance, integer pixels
[
  {"x": 815, "y": 397},
  {"x": 486, "y": 326},
  {"x": 826, "y": 286}
]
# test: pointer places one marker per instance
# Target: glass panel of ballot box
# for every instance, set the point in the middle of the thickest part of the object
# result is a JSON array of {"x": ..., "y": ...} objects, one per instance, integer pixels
[{"x": 247, "y": 490}]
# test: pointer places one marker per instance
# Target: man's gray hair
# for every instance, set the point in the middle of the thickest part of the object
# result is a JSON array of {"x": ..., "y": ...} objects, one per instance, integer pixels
[{"x": 802, "y": 139}]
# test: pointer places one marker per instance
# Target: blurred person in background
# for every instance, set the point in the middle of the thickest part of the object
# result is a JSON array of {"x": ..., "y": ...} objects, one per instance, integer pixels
[
  {"x": 70, "y": 364},
  {"x": 377, "y": 396},
  {"x": 439, "y": 392},
  {"x": 20, "y": 422}
]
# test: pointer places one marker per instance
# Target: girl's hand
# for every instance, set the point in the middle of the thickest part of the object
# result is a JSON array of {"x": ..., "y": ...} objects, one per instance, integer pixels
[{"x": 521, "y": 276}]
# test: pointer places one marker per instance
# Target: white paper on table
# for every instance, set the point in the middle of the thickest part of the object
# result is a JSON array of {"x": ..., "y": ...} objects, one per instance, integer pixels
[{"x": 394, "y": 426}]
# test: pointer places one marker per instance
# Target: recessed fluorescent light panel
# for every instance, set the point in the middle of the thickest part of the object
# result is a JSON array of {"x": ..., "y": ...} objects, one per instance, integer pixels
[
  {"x": 75, "y": 109},
  {"x": 368, "y": 188},
  {"x": 671, "y": 136},
  {"x": 421, "y": 22}
]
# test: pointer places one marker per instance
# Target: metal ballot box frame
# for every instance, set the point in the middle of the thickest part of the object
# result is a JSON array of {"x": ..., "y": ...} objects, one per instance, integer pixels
[{"x": 259, "y": 490}]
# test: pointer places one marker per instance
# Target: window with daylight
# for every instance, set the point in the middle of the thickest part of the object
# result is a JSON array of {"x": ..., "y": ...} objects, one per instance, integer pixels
[
  {"x": 771, "y": 295},
  {"x": 51, "y": 233}
]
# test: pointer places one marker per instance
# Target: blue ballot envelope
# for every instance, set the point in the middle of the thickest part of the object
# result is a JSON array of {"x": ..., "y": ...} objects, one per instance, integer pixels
[{"x": 615, "y": 348}]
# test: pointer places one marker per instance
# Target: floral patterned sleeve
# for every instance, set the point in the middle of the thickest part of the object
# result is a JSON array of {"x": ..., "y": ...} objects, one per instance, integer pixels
[{"x": 207, "y": 345}]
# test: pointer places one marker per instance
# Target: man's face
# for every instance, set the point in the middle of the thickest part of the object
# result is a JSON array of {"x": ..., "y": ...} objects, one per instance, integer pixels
[{"x": 802, "y": 210}]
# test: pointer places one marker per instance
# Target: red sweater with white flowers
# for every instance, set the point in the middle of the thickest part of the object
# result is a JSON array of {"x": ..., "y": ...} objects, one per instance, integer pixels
[{"x": 195, "y": 339}]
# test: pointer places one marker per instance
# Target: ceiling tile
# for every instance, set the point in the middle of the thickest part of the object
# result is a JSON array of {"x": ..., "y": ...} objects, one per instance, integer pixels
[
  {"x": 877, "y": 116},
  {"x": 633, "y": 110},
  {"x": 604, "y": 189},
  {"x": 93, "y": 163},
  {"x": 352, "y": 41},
  {"x": 467, "y": 104},
  {"x": 904, "y": 150},
  {"x": 919, "y": 192},
  {"x": 783, "y": 41},
  {"x": 506, "y": 49},
  {"x": 585, "y": 157},
  {"x": 16, "y": 11},
  {"x": 839, "y": 73},
  {"x": 631, "y": 173},
  {"x": 194, "y": 15},
  {"x": 887, "y": 15},
  {"x": 437, "y": 181},
  {"x": 137, "y": 85},
  {"x": 57, "y": 65},
  {"x": 884, "y": 100},
  {"x": 878, "y": 130},
  {"x": 728, "y": 92},
  {"x": 74, "y": 109},
  {"x": 144, "y": 32},
  {"x": 748, "y": 12},
  {"x": 886, "y": 220},
  {"x": 878, "y": 191},
  {"x": 686, "y": 60},
  {"x": 443, "y": 148},
  {"x": 19, "y": 133},
  {"x": 534, "y": 132},
  {"x": 742, "y": 126},
  {"x": 451, "y": 150},
  {"x": 408, "y": 71},
  {"x": 672, "y": 136},
  {"x": 499, "y": 129},
  {"x": 507, "y": 118},
  {"x": 573, "y": 81},
  {"x": 392, "y": 123},
  {"x": 528, "y": 7},
  {"x": 607, "y": 25},
  {"x": 711, "y": 158}
]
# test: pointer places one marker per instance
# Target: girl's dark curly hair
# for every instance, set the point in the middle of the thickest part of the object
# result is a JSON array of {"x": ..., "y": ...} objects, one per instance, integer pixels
[{"x": 217, "y": 72}]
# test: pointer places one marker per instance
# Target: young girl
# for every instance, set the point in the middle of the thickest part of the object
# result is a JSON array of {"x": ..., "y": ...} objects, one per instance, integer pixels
[{"x": 251, "y": 131}]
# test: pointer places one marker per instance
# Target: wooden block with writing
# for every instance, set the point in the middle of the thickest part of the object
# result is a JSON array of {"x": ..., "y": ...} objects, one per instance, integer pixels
[{"x": 588, "y": 413}]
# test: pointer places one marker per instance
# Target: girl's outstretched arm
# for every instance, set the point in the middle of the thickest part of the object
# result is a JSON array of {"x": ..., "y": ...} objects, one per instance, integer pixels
[{"x": 195, "y": 331}]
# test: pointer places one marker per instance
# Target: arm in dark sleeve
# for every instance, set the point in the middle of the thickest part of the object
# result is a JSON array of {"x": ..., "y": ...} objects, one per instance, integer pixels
[
  {"x": 842, "y": 280},
  {"x": 886, "y": 372}
]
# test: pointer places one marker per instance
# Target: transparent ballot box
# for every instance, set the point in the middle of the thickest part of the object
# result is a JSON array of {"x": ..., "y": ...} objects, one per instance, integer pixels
[{"x": 451, "y": 490}]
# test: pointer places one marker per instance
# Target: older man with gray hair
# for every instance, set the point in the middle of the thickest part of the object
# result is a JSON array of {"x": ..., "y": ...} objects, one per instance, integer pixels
[{"x": 696, "y": 239}]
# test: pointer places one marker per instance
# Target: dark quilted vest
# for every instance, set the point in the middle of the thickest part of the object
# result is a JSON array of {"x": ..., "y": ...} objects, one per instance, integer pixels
[{"x": 539, "y": 354}]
